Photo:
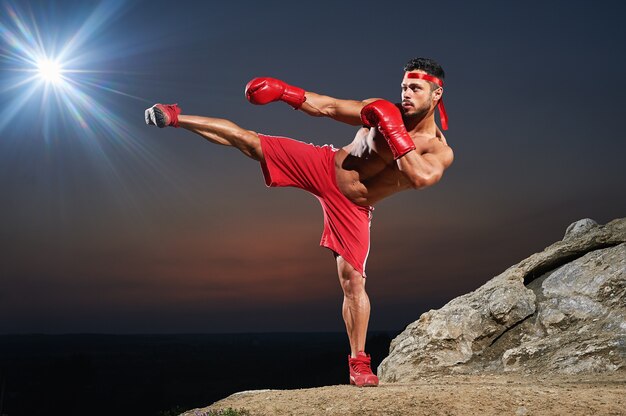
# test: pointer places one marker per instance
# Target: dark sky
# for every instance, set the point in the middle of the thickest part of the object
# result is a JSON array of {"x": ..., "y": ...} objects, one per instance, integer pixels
[{"x": 107, "y": 225}]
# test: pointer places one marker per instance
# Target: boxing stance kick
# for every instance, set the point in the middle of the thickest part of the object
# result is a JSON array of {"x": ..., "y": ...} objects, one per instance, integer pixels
[{"x": 398, "y": 147}]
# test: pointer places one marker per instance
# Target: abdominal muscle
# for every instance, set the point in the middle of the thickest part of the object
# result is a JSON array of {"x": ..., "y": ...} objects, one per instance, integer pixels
[{"x": 365, "y": 169}]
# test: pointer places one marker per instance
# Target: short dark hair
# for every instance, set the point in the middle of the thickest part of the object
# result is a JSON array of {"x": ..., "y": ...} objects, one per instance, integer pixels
[{"x": 430, "y": 66}]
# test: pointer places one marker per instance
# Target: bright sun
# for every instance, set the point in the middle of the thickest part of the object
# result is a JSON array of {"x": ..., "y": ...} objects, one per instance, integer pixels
[{"x": 49, "y": 70}]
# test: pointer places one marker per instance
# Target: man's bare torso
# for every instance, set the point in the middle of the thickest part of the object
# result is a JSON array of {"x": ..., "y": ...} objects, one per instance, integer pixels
[{"x": 365, "y": 170}]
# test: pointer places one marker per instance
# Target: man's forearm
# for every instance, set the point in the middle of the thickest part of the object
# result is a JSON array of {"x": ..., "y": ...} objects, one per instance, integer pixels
[{"x": 345, "y": 111}]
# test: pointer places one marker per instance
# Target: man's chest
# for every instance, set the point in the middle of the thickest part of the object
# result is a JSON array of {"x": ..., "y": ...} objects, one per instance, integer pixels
[{"x": 368, "y": 154}]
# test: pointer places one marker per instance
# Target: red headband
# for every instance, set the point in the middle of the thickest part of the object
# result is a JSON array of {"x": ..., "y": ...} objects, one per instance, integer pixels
[{"x": 442, "y": 110}]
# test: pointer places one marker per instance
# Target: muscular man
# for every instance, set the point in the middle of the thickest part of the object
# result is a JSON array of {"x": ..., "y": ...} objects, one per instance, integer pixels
[{"x": 399, "y": 147}]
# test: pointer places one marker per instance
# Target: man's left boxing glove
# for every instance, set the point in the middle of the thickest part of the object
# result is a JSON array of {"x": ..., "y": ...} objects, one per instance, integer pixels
[
  {"x": 387, "y": 118},
  {"x": 266, "y": 90}
]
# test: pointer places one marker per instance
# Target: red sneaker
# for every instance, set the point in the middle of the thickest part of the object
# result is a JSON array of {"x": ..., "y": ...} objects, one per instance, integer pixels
[
  {"x": 163, "y": 115},
  {"x": 360, "y": 371}
]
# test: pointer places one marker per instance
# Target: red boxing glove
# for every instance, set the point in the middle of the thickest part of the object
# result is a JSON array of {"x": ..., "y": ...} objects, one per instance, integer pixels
[
  {"x": 266, "y": 90},
  {"x": 387, "y": 118}
]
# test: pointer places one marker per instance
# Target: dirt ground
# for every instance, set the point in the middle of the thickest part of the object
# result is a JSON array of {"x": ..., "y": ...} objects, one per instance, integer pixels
[{"x": 510, "y": 394}]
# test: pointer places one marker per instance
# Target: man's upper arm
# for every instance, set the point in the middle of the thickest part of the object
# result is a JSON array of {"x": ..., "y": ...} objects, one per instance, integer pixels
[
  {"x": 445, "y": 155},
  {"x": 427, "y": 166},
  {"x": 439, "y": 158}
]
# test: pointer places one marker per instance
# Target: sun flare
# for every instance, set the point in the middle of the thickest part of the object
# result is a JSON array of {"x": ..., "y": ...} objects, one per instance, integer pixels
[{"x": 50, "y": 70}]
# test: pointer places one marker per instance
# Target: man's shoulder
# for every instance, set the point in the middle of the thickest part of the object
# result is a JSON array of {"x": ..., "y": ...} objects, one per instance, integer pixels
[{"x": 438, "y": 147}]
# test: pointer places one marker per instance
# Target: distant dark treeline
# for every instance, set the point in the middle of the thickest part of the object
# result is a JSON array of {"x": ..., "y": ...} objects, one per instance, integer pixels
[{"x": 164, "y": 374}]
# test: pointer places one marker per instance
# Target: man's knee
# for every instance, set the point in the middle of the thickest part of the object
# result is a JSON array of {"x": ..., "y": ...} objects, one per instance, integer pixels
[
  {"x": 352, "y": 282},
  {"x": 250, "y": 145},
  {"x": 351, "y": 275}
]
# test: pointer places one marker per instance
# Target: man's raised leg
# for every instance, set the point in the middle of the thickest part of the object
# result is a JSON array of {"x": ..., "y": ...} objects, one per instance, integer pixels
[
  {"x": 356, "y": 314},
  {"x": 215, "y": 130}
]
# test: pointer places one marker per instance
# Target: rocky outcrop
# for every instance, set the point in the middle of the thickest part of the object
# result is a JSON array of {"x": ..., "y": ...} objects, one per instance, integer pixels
[{"x": 561, "y": 310}]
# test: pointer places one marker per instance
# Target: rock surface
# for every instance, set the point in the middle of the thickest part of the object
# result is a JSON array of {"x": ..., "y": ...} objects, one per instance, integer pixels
[
  {"x": 481, "y": 395},
  {"x": 561, "y": 310}
]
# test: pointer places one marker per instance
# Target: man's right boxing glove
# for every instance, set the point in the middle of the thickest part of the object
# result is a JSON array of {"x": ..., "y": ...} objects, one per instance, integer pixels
[
  {"x": 266, "y": 90},
  {"x": 387, "y": 118}
]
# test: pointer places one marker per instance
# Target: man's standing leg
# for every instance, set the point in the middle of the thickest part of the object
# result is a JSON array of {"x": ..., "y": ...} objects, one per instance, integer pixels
[{"x": 356, "y": 314}]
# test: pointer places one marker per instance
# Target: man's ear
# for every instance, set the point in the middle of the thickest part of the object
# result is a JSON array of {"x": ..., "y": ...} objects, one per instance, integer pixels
[{"x": 437, "y": 94}]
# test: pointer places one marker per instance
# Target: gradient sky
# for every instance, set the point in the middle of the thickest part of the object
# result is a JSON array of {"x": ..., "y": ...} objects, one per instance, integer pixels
[{"x": 107, "y": 225}]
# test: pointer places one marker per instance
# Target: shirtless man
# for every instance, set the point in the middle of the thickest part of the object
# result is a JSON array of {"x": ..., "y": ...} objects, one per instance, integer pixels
[{"x": 400, "y": 147}]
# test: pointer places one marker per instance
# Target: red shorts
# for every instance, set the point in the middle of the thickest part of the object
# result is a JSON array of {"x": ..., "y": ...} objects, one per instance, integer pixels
[{"x": 289, "y": 162}]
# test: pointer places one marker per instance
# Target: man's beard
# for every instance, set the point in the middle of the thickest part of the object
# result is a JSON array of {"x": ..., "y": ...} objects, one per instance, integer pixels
[{"x": 419, "y": 113}]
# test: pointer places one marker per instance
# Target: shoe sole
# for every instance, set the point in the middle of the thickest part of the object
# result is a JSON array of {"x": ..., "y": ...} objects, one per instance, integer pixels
[
  {"x": 159, "y": 118},
  {"x": 148, "y": 115},
  {"x": 353, "y": 383},
  {"x": 156, "y": 117}
]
